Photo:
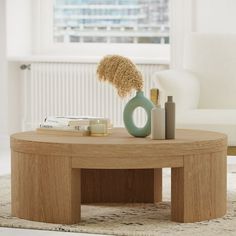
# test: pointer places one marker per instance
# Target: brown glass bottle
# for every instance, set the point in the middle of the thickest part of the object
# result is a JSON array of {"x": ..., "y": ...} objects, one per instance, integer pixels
[{"x": 170, "y": 118}]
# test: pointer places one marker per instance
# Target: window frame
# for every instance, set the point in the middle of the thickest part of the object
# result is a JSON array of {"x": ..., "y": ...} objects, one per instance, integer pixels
[{"x": 43, "y": 42}]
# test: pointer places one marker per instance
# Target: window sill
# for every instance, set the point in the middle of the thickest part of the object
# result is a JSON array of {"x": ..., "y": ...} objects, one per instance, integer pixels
[{"x": 79, "y": 59}]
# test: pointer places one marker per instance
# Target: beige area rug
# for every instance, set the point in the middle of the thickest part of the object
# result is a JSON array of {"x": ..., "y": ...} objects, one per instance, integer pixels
[{"x": 135, "y": 219}]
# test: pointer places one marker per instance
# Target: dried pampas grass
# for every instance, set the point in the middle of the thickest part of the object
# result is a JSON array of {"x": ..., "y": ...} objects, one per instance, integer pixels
[{"x": 121, "y": 72}]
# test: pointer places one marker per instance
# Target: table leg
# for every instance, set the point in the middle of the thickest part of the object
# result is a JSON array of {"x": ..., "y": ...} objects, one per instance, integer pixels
[
  {"x": 45, "y": 188},
  {"x": 198, "y": 190}
]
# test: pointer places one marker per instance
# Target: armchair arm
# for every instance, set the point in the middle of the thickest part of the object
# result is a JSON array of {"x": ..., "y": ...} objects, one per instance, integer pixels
[{"x": 183, "y": 85}]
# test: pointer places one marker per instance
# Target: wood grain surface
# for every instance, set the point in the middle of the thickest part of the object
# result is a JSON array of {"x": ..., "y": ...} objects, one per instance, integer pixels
[
  {"x": 45, "y": 189},
  {"x": 120, "y": 145},
  {"x": 121, "y": 186},
  {"x": 198, "y": 190},
  {"x": 52, "y": 175}
]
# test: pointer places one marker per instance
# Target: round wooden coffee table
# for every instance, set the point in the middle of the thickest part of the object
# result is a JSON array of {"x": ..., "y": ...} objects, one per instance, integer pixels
[{"x": 52, "y": 176}]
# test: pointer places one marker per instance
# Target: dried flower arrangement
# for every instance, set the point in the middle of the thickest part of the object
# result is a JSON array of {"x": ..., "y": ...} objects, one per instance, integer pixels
[{"x": 121, "y": 72}]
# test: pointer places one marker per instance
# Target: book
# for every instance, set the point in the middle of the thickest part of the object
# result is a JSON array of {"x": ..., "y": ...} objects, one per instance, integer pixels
[
  {"x": 70, "y": 120},
  {"x": 50, "y": 125},
  {"x": 62, "y": 132},
  {"x": 75, "y": 126}
]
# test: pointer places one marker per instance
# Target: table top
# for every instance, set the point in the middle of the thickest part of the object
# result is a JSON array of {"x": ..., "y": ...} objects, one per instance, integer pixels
[
  {"x": 120, "y": 147},
  {"x": 120, "y": 136}
]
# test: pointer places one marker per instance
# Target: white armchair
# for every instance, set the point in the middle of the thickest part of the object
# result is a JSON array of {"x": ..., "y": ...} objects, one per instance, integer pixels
[{"x": 205, "y": 89}]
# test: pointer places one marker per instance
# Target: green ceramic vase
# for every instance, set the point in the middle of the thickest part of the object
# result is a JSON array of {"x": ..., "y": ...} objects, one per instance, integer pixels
[{"x": 138, "y": 101}]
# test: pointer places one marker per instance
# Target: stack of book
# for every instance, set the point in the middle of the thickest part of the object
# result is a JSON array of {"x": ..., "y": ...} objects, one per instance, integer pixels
[{"x": 71, "y": 126}]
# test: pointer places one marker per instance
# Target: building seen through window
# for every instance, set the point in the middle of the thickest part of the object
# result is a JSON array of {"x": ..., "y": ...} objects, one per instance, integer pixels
[{"x": 111, "y": 21}]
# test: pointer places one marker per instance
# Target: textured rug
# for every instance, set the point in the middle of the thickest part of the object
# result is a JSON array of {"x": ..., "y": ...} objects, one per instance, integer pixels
[{"x": 129, "y": 219}]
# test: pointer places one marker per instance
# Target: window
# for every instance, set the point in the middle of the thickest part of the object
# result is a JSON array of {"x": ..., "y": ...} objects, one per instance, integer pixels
[
  {"x": 134, "y": 28},
  {"x": 109, "y": 21}
]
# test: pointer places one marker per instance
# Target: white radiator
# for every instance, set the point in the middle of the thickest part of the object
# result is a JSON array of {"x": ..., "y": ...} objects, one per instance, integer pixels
[{"x": 64, "y": 89}]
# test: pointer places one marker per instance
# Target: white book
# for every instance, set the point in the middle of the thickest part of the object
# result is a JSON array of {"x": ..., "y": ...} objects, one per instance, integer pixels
[
  {"x": 64, "y": 127},
  {"x": 70, "y": 120}
]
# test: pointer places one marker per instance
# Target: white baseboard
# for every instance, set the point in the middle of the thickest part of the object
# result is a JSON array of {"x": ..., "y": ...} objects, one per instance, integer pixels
[{"x": 4, "y": 142}]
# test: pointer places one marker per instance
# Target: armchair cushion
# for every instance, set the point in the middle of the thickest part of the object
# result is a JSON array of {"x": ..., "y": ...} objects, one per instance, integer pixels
[
  {"x": 210, "y": 119},
  {"x": 181, "y": 84}
]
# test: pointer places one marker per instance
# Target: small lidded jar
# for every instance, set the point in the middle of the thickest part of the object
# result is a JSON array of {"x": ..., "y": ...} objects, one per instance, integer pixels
[{"x": 99, "y": 127}]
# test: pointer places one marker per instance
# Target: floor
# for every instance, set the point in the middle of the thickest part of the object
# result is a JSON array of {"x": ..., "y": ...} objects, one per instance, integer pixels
[
  {"x": 5, "y": 169},
  {"x": 5, "y": 162},
  {"x": 23, "y": 232}
]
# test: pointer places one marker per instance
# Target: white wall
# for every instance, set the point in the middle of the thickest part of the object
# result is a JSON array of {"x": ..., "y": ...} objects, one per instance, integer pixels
[
  {"x": 182, "y": 17},
  {"x": 19, "y": 26},
  {"x": 15, "y": 40},
  {"x": 3, "y": 78},
  {"x": 215, "y": 16},
  {"x": 19, "y": 44},
  {"x": 15, "y": 84}
]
